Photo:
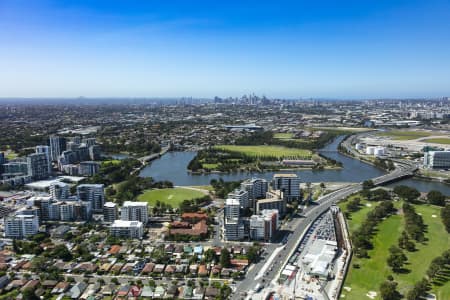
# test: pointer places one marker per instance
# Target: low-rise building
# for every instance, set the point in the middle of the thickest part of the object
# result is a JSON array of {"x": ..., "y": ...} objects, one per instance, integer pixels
[{"x": 127, "y": 229}]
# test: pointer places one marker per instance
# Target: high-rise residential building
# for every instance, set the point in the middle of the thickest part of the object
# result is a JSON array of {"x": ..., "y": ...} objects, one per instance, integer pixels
[
  {"x": 15, "y": 168},
  {"x": 2, "y": 158},
  {"x": 265, "y": 225},
  {"x": 134, "y": 211},
  {"x": 68, "y": 157},
  {"x": 94, "y": 152},
  {"x": 43, "y": 203},
  {"x": 241, "y": 196},
  {"x": 437, "y": 159},
  {"x": 59, "y": 190},
  {"x": 273, "y": 200},
  {"x": 88, "y": 168},
  {"x": 38, "y": 166},
  {"x": 21, "y": 226},
  {"x": 127, "y": 229},
  {"x": 93, "y": 193},
  {"x": 256, "y": 187},
  {"x": 89, "y": 142},
  {"x": 232, "y": 207},
  {"x": 289, "y": 184},
  {"x": 57, "y": 146},
  {"x": 110, "y": 213},
  {"x": 83, "y": 153},
  {"x": 46, "y": 150},
  {"x": 234, "y": 229},
  {"x": 69, "y": 211}
]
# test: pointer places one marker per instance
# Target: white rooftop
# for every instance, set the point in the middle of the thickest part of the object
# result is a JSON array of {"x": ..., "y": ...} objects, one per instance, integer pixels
[
  {"x": 122, "y": 223},
  {"x": 134, "y": 203},
  {"x": 110, "y": 204}
]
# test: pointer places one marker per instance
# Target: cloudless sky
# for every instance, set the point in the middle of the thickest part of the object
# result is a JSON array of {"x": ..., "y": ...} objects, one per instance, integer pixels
[{"x": 289, "y": 49}]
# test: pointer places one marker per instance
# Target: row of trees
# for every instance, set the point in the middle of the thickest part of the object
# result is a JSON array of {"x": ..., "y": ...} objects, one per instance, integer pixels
[
  {"x": 414, "y": 225},
  {"x": 445, "y": 216},
  {"x": 362, "y": 237},
  {"x": 438, "y": 268},
  {"x": 396, "y": 259}
]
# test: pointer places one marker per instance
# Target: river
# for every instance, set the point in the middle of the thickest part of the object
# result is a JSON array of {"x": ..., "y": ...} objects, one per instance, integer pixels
[{"x": 172, "y": 167}]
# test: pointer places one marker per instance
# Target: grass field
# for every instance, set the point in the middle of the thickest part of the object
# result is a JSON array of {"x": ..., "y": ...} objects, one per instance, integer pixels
[
  {"x": 173, "y": 196},
  {"x": 111, "y": 161},
  {"x": 374, "y": 270},
  {"x": 283, "y": 136},
  {"x": 267, "y": 151},
  {"x": 444, "y": 141},
  {"x": 404, "y": 135}
]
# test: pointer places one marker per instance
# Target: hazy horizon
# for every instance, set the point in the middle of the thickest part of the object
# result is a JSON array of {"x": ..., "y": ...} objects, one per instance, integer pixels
[{"x": 288, "y": 49}]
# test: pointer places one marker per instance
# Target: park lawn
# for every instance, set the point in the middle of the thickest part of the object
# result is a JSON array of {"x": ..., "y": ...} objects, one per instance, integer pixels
[
  {"x": 283, "y": 136},
  {"x": 111, "y": 161},
  {"x": 404, "y": 135},
  {"x": 210, "y": 166},
  {"x": 173, "y": 196},
  {"x": 444, "y": 141},
  {"x": 267, "y": 151},
  {"x": 204, "y": 187}
]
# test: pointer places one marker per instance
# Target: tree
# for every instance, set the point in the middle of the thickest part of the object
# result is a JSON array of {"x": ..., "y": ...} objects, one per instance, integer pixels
[
  {"x": 397, "y": 258},
  {"x": 29, "y": 294},
  {"x": 368, "y": 184},
  {"x": 388, "y": 290},
  {"x": 61, "y": 252},
  {"x": 209, "y": 255},
  {"x": 224, "y": 258},
  {"x": 407, "y": 193},
  {"x": 436, "y": 198},
  {"x": 252, "y": 254}
]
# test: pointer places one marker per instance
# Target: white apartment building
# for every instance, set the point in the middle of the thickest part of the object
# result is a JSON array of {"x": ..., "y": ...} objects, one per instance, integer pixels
[
  {"x": 265, "y": 225},
  {"x": 134, "y": 211},
  {"x": 232, "y": 207},
  {"x": 21, "y": 226},
  {"x": 241, "y": 196},
  {"x": 127, "y": 229}
]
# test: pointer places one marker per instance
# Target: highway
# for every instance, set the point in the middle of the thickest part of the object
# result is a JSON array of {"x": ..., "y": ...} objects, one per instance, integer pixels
[{"x": 298, "y": 227}]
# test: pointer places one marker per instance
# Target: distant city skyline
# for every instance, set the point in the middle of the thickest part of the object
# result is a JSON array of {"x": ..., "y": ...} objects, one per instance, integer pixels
[{"x": 172, "y": 49}]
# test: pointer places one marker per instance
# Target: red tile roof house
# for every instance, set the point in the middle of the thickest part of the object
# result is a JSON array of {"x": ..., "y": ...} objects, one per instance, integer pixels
[
  {"x": 135, "y": 291},
  {"x": 123, "y": 292},
  {"x": 170, "y": 269},
  {"x": 148, "y": 268},
  {"x": 198, "y": 229},
  {"x": 86, "y": 267},
  {"x": 202, "y": 271},
  {"x": 61, "y": 287},
  {"x": 114, "y": 249},
  {"x": 32, "y": 284},
  {"x": 194, "y": 217},
  {"x": 239, "y": 264}
]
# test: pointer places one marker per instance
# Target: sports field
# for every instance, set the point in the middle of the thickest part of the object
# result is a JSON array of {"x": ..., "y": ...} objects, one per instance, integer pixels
[
  {"x": 374, "y": 270},
  {"x": 404, "y": 135},
  {"x": 173, "y": 196},
  {"x": 267, "y": 151},
  {"x": 444, "y": 141}
]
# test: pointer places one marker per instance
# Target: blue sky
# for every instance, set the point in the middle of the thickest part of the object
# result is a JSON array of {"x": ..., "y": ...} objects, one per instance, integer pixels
[{"x": 289, "y": 49}]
